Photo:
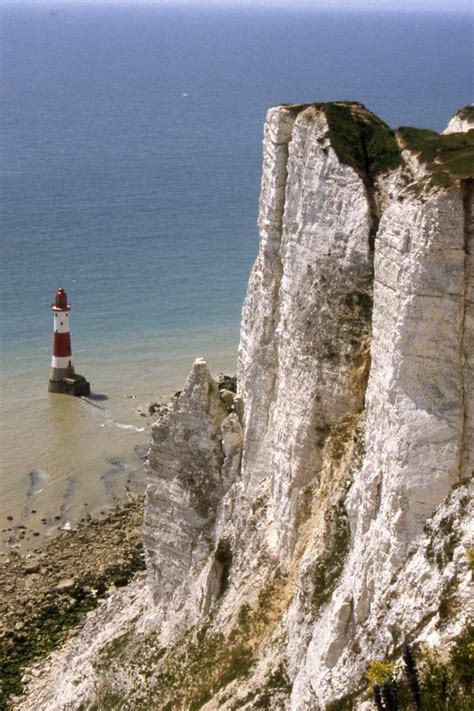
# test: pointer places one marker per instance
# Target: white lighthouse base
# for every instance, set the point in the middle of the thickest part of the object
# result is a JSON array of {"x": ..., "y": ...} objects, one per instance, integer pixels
[{"x": 70, "y": 385}]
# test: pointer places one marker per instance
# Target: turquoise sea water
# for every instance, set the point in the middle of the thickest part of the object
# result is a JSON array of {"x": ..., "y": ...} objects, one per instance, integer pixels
[{"x": 130, "y": 168}]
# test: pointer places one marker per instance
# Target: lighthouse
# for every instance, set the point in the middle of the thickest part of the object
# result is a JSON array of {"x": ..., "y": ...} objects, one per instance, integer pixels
[{"x": 63, "y": 378}]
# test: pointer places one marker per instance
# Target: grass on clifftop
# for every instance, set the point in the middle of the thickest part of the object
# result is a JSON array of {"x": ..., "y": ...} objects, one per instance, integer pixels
[
  {"x": 359, "y": 138},
  {"x": 467, "y": 113},
  {"x": 365, "y": 142},
  {"x": 447, "y": 156}
]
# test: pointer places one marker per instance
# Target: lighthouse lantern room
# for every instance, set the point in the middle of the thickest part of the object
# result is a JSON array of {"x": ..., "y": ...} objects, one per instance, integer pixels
[{"x": 63, "y": 378}]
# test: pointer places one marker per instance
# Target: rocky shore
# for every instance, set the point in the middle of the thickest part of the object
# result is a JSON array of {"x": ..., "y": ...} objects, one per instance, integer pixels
[{"x": 47, "y": 594}]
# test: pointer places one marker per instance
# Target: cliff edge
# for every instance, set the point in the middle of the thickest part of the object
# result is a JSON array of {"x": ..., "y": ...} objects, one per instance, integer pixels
[{"x": 309, "y": 534}]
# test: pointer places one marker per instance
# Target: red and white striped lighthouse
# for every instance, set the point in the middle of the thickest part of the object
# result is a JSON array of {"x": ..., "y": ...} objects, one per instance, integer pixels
[
  {"x": 63, "y": 379},
  {"x": 61, "y": 364}
]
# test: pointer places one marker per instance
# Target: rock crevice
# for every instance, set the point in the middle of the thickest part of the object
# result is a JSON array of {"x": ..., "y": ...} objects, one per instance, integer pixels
[{"x": 466, "y": 466}]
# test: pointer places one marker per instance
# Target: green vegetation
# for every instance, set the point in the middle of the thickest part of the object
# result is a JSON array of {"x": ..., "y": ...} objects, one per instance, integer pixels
[
  {"x": 441, "y": 547},
  {"x": 237, "y": 663},
  {"x": 49, "y": 627},
  {"x": 466, "y": 113},
  {"x": 355, "y": 317},
  {"x": 462, "y": 659},
  {"x": 277, "y": 681},
  {"x": 448, "y": 157},
  {"x": 364, "y": 142},
  {"x": 361, "y": 302},
  {"x": 361, "y": 139},
  {"x": 263, "y": 696},
  {"x": 200, "y": 664},
  {"x": 105, "y": 700},
  {"x": 330, "y": 564},
  {"x": 424, "y": 679},
  {"x": 345, "y": 703},
  {"x": 228, "y": 382},
  {"x": 346, "y": 439},
  {"x": 20, "y": 649},
  {"x": 187, "y": 675},
  {"x": 380, "y": 671}
]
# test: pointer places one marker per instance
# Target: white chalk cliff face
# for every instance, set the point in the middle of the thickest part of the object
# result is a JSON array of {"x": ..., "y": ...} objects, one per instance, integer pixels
[
  {"x": 319, "y": 519},
  {"x": 315, "y": 262},
  {"x": 419, "y": 440},
  {"x": 305, "y": 318}
]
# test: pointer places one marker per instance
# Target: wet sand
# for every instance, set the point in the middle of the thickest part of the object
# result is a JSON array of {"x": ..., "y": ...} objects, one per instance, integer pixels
[
  {"x": 65, "y": 456},
  {"x": 97, "y": 465}
]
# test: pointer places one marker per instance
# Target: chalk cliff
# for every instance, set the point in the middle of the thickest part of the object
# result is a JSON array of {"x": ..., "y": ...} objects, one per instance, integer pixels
[
  {"x": 320, "y": 519},
  {"x": 462, "y": 121}
]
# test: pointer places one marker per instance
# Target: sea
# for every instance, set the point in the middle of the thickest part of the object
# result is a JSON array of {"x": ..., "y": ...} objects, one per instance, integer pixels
[{"x": 129, "y": 173}]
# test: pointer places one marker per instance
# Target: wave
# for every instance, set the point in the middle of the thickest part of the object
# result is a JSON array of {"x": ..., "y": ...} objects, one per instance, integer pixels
[{"x": 123, "y": 426}]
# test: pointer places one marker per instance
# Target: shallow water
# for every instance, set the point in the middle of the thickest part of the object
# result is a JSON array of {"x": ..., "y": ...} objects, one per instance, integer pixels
[{"x": 77, "y": 455}]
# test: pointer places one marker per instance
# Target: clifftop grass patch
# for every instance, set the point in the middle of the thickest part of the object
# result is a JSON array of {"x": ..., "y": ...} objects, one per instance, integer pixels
[
  {"x": 367, "y": 144},
  {"x": 359, "y": 138},
  {"x": 466, "y": 113},
  {"x": 448, "y": 156}
]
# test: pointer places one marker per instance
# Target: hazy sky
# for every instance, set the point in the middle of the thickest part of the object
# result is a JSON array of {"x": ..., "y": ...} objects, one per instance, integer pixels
[{"x": 405, "y": 5}]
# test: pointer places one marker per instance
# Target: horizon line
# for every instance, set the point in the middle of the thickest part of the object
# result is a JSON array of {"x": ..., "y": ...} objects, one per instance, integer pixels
[{"x": 389, "y": 6}]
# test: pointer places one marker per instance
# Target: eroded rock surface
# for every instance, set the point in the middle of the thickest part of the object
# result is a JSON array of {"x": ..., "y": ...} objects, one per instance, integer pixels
[{"x": 185, "y": 481}]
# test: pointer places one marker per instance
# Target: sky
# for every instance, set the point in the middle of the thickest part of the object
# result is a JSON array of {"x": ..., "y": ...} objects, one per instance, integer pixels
[{"x": 399, "y": 5}]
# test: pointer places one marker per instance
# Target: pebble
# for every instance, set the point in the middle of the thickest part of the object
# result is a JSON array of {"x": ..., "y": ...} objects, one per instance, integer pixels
[
  {"x": 32, "y": 567},
  {"x": 65, "y": 585},
  {"x": 32, "y": 584}
]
